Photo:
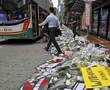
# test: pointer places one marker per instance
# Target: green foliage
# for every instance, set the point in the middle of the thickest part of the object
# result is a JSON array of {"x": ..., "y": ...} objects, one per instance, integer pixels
[
  {"x": 76, "y": 5},
  {"x": 70, "y": 3},
  {"x": 79, "y": 6}
]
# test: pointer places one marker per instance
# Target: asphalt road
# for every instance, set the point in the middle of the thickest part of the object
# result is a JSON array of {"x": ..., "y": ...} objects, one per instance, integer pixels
[{"x": 17, "y": 61}]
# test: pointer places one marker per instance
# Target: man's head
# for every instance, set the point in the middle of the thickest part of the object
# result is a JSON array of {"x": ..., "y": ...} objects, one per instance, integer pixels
[{"x": 51, "y": 9}]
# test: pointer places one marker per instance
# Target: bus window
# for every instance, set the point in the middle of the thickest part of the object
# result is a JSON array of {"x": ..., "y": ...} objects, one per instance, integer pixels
[{"x": 3, "y": 16}]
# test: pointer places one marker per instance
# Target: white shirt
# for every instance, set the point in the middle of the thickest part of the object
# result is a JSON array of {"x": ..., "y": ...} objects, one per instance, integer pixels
[{"x": 52, "y": 21}]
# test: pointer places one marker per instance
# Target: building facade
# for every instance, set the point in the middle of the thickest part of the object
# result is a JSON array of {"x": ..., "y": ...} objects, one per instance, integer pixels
[{"x": 101, "y": 18}]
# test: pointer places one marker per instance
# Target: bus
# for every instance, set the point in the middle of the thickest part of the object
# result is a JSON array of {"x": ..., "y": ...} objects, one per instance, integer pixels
[{"x": 25, "y": 23}]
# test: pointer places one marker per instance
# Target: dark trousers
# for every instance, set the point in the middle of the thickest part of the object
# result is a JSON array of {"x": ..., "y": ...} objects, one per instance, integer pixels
[
  {"x": 75, "y": 32},
  {"x": 52, "y": 32},
  {"x": 42, "y": 35}
]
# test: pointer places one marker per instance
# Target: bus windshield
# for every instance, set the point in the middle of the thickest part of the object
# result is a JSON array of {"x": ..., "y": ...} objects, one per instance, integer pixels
[{"x": 14, "y": 15}]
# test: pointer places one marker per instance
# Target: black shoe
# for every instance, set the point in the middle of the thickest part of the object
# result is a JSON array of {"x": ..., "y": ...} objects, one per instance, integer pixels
[{"x": 58, "y": 53}]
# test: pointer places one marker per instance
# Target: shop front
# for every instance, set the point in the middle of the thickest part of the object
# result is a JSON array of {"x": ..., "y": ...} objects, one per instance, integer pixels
[{"x": 101, "y": 19}]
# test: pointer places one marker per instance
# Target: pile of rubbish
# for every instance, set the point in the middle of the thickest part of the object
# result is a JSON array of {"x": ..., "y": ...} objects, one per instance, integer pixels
[{"x": 63, "y": 72}]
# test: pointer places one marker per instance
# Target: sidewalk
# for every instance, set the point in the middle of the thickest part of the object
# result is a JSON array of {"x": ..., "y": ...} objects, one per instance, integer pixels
[{"x": 95, "y": 40}]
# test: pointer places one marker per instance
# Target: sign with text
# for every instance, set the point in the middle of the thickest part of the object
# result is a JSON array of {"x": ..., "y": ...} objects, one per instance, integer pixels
[
  {"x": 15, "y": 29},
  {"x": 98, "y": 76}
]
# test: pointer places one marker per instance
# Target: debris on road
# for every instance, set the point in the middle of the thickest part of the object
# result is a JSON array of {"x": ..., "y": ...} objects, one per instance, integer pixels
[{"x": 63, "y": 72}]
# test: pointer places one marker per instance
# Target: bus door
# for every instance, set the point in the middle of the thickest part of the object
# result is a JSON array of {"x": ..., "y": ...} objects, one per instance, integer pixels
[
  {"x": 42, "y": 14},
  {"x": 34, "y": 8}
]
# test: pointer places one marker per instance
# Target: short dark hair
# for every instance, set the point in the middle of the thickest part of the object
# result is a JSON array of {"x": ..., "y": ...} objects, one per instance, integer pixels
[{"x": 51, "y": 9}]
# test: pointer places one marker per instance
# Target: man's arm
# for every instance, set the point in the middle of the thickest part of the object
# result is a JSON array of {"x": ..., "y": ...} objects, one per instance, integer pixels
[{"x": 44, "y": 22}]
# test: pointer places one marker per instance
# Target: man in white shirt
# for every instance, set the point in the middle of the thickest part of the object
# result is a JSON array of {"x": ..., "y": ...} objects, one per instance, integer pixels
[{"x": 53, "y": 24}]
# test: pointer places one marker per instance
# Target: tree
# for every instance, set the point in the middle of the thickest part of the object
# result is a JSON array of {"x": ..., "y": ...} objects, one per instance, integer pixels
[{"x": 76, "y": 5}]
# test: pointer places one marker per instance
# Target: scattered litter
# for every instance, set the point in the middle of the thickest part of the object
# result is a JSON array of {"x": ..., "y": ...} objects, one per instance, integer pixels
[{"x": 63, "y": 72}]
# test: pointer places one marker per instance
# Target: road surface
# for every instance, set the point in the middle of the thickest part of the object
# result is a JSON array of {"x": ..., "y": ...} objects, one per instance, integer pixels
[{"x": 17, "y": 61}]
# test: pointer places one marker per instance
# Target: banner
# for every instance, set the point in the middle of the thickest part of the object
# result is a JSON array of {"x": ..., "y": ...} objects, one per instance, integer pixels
[
  {"x": 15, "y": 29},
  {"x": 98, "y": 76}
]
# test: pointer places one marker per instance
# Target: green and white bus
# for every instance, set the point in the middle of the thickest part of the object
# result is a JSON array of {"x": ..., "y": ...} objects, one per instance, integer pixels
[{"x": 24, "y": 28}]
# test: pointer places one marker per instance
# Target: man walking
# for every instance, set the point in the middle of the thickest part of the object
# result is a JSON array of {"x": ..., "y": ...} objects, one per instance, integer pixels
[{"x": 53, "y": 25}]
